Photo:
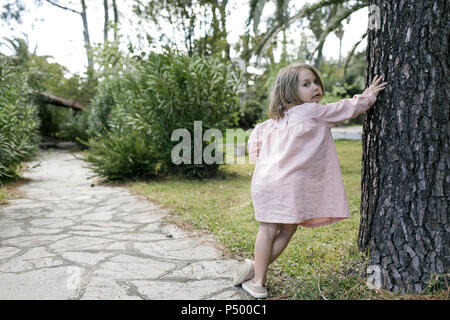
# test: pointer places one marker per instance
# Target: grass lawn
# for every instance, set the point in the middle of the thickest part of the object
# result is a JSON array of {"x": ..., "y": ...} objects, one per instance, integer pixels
[
  {"x": 319, "y": 263},
  {"x": 224, "y": 208},
  {"x": 8, "y": 189},
  {"x": 2, "y": 193}
]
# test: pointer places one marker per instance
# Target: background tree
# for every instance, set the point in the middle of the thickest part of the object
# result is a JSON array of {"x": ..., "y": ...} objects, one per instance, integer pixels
[
  {"x": 108, "y": 24},
  {"x": 219, "y": 43},
  {"x": 334, "y": 12},
  {"x": 116, "y": 19},
  {"x": 13, "y": 10},
  {"x": 405, "y": 174},
  {"x": 339, "y": 32},
  {"x": 201, "y": 22},
  {"x": 18, "y": 119},
  {"x": 83, "y": 14}
]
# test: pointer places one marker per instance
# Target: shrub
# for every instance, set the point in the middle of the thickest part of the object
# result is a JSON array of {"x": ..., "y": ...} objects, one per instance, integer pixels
[
  {"x": 18, "y": 121},
  {"x": 103, "y": 103},
  {"x": 150, "y": 100},
  {"x": 250, "y": 112},
  {"x": 123, "y": 151}
]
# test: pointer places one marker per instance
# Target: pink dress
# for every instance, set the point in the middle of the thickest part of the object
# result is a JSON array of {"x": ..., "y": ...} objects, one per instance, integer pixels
[{"x": 297, "y": 178}]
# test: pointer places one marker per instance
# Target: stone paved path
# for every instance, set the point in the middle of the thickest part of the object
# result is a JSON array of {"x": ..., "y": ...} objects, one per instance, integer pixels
[
  {"x": 349, "y": 133},
  {"x": 67, "y": 240}
]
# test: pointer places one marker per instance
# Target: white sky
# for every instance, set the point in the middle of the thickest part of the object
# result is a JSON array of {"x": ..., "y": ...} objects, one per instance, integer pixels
[{"x": 58, "y": 32}]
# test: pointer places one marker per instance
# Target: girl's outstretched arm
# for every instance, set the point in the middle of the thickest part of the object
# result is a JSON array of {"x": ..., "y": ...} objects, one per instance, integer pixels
[{"x": 345, "y": 109}]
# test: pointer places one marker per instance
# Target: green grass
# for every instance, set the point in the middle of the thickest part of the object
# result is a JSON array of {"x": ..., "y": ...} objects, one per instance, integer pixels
[
  {"x": 325, "y": 257},
  {"x": 2, "y": 193},
  {"x": 224, "y": 208}
]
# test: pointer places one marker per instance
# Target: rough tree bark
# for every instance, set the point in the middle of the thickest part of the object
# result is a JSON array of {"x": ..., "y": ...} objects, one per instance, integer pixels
[{"x": 405, "y": 173}]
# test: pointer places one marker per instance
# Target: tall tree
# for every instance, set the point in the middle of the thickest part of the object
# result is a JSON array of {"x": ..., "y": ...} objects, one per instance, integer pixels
[
  {"x": 338, "y": 10},
  {"x": 339, "y": 32},
  {"x": 184, "y": 16},
  {"x": 179, "y": 13},
  {"x": 317, "y": 26},
  {"x": 13, "y": 10},
  {"x": 405, "y": 172},
  {"x": 83, "y": 14},
  {"x": 222, "y": 6},
  {"x": 116, "y": 19},
  {"x": 106, "y": 24}
]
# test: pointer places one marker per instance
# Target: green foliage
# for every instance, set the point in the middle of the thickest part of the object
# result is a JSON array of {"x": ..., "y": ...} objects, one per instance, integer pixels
[
  {"x": 111, "y": 63},
  {"x": 51, "y": 78},
  {"x": 124, "y": 152},
  {"x": 251, "y": 112},
  {"x": 57, "y": 121},
  {"x": 137, "y": 109},
  {"x": 18, "y": 121},
  {"x": 102, "y": 105},
  {"x": 200, "y": 25},
  {"x": 325, "y": 258},
  {"x": 356, "y": 71}
]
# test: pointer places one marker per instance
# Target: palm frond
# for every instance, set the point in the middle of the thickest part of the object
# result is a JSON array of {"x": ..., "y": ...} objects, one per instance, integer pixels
[
  {"x": 256, "y": 9},
  {"x": 336, "y": 22}
]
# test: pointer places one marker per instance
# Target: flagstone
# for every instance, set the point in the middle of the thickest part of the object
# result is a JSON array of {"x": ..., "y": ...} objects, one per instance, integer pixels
[{"x": 69, "y": 237}]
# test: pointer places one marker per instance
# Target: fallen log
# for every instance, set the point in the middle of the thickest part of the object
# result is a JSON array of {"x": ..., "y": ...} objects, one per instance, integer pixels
[{"x": 57, "y": 101}]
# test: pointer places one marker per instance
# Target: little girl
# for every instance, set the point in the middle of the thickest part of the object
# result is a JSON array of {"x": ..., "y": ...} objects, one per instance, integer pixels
[{"x": 297, "y": 179}]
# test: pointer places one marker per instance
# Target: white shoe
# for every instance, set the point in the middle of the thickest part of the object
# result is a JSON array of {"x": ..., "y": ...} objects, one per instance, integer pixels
[
  {"x": 254, "y": 290},
  {"x": 243, "y": 272}
]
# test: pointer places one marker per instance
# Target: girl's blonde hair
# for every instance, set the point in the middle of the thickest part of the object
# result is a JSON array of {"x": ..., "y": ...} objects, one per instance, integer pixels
[{"x": 284, "y": 93}]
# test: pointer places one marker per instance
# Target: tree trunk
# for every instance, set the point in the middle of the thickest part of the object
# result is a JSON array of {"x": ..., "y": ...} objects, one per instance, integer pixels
[
  {"x": 340, "y": 52},
  {"x": 87, "y": 41},
  {"x": 405, "y": 172},
  {"x": 223, "y": 20},
  {"x": 106, "y": 25},
  {"x": 319, "y": 57},
  {"x": 216, "y": 32},
  {"x": 61, "y": 102},
  {"x": 116, "y": 19}
]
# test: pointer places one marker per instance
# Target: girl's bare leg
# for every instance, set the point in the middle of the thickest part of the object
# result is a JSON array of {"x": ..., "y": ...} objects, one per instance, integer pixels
[
  {"x": 270, "y": 242},
  {"x": 263, "y": 250},
  {"x": 285, "y": 233}
]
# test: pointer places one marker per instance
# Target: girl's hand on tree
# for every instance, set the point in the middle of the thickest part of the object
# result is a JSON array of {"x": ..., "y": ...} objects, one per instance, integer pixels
[{"x": 375, "y": 87}]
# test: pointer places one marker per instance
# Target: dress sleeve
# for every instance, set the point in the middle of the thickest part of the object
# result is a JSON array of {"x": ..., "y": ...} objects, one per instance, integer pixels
[
  {"x": 345, "y": 109},
  {"x": 254, "y": 145}
]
